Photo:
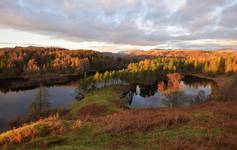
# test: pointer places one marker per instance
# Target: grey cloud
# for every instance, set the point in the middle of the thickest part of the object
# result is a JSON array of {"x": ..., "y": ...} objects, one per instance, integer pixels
[
  {"x": 228, "y": 17},
  {"x": 202, "y": 19},
  {"x": 118, "y": 21}
]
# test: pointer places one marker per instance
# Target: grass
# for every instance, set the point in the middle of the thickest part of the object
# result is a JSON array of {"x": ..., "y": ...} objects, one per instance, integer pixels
[
  {"x": 208, "y": 126},
  {"x": 50, "y": 126},
  {"x": 141, "y": 120},
  {"x": 188, "y": 132},
  {"x": 106, "y": 99}
]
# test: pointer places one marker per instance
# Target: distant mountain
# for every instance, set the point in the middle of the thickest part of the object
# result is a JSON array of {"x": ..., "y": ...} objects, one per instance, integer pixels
[
  {"x": 123, "y": 53},
  {"x": 130, "y": 51},
  {"x": 227, "y": 50},
  {"x": 110, "y": 54},
  {"x": 184, "y": 53}
]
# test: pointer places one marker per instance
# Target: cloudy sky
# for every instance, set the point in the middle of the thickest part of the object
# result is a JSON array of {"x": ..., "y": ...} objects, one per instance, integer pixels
[{"x": 112, "y": 25}]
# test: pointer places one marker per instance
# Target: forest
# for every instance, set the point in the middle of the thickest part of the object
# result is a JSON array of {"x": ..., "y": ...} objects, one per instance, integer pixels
[
  {"x": 149, "y": 70},
  {"x": 28, "y": 60}
]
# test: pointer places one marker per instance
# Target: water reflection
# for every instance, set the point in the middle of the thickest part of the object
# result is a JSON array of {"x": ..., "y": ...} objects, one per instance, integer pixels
[
  {"x": 170, "y": 94},
  {"x": 100, "y": 84},
  {"x": 33, "y": 103},
  {"x": 41, "y": 101}
]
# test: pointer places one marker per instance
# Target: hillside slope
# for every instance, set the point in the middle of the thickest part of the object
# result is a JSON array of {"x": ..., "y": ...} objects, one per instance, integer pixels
[{"x": 206, "y": 126}]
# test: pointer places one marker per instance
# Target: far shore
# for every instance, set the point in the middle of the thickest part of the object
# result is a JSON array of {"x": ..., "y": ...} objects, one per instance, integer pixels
[{"x": 22, "y": 82}]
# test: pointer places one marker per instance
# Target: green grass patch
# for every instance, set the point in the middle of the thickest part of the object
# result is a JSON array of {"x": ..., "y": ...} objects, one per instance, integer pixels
[
  {"x": 188, "y": 132},
  {"x": 43, "y": 142},
  {"x": 104, "y": 97},
  {"x": 85, "y": 138},
  {"x": 203, "y": 116},
  {"x": 150, "y": 140}
]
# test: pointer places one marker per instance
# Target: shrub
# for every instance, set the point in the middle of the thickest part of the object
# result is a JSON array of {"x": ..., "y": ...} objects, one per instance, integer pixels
[
  {"x": 77, "y": 124},
  {"x": 42, "y": 127}
]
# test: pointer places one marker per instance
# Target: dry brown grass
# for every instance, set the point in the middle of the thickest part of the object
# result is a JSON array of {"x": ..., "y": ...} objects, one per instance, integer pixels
[
  {"x": 141, "y": 120},
  {"x": 227, "y": 87},
  {"x": 91, "y": 111},
  {"x": 209, "y": 115},
  {"x": 52, "y": 125},
  {"x": 42, "y": 127},
  {"x": 198, "y": 143},
  {"x": 222, "y": 115},
  {"x": 215, "y": 125}
]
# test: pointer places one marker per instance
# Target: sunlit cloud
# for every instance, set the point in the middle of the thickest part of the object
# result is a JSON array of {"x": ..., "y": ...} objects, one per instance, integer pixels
[{"x": 121, "y": 24}]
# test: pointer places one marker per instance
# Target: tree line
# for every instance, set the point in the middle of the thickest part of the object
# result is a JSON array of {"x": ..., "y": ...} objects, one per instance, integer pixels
[
  {"x": 150, "y": 70},
  {"x": 24, "y": 60}
]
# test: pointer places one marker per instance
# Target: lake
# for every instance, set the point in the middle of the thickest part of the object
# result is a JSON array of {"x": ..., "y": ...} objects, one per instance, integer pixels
[
  {"x": 14, "y": 105},
  {"x": 18, "y": 104},
  {"x": 191, "y": 90}
]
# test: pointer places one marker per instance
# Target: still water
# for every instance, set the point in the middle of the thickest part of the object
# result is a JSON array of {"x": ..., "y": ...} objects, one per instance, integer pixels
[
  {"x": 18, "y": 104},
  {"x": 189, "y": 92},
  {"x": 13, "y": 105}
]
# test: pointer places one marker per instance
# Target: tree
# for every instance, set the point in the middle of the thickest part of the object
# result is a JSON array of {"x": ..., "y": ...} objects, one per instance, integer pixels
[
  {"x": 106, "y": 75},
  {"x": 174, "y": 81},
  {"x": 161, "y": 86},
  {"x": 97, "y": 76},
  {"x": 32, "y": 66}
]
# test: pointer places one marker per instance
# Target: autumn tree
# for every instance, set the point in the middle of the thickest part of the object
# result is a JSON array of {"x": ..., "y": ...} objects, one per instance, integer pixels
[
  {"x": 174, "y": 81},
  {"x": 32, "y": 66}
]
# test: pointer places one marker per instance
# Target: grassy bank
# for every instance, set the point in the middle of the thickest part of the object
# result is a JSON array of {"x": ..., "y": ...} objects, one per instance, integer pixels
[
  {"x": 207, "y": 126},
  {"x": 99, "y": 103}
]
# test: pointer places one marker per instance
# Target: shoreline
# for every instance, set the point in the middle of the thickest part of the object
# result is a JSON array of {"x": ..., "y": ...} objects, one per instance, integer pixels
[
  {"x": 30, "y": 81},
  {"x": 24, "y": 82}
]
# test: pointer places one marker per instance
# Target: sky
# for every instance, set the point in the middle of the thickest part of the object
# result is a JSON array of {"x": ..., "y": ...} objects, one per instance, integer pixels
[{"x": 113, "y": 25}]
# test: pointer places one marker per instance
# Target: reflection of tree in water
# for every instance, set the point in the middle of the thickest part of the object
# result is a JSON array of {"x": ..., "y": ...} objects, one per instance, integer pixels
[
  {"x": 173, "y": 84},
  {"x": 161, "y": 86},
  {"x": 179, "y": 98},
  {"x": 40, "y": 104},
  {"x": 195, "y": 82},
  {"x": 173, "y": 99},
  {"x": 173, "y": 94},
  {"x": 40, "y": 107},
  {"x": 199, "y": 98},
  {"x": 174, "y": 81}
]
